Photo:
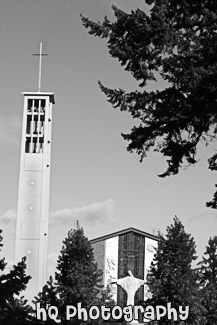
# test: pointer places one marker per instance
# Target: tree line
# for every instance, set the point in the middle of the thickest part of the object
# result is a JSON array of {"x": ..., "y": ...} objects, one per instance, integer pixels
[{"x": 171, "y": 278}]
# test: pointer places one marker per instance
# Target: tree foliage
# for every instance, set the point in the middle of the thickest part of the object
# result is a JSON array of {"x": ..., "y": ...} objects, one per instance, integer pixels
[
  {"x": 178, "y": 41},
  {"x": 77, "y": 279},
  {"x": 171, "y": 277},
  {"x": 13, "y": 309},
  {"x": 77, "y": 274},
  {"x": 208, "y": 281}
]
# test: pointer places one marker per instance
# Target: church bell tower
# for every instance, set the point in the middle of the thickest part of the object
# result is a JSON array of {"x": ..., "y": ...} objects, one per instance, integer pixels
[{"x": 34, "y": 186}]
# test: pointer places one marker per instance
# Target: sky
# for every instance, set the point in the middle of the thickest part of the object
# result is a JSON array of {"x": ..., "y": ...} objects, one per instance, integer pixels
[{"x": 93, "y": 178}]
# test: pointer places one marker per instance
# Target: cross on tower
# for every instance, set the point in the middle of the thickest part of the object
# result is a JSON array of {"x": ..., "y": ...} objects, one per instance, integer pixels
[{"x": 40, "y": 64}]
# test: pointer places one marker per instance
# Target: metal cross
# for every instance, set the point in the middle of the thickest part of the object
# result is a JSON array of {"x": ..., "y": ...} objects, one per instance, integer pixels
[{"x": 40, "y": 64}]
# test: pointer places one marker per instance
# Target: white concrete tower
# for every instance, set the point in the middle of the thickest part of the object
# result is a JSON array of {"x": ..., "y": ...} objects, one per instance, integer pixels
[{"x": 34, "y": 186}]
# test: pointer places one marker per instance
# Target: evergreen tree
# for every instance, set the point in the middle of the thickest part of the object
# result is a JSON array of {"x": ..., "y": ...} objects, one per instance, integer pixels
[
  {"x": 48, "y": 297},
  {"x": 13, "y": 309},
  {"x": 77, "y": 279},
  {"x": 208, "y": 281},
  {"x": 178, "y": 41},
  {"x": 77, "y": 274},
  {"x": 171, "y": 278}
]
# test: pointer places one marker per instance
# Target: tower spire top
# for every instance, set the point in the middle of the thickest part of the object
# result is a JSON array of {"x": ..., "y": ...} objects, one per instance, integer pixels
[{"x": 40, "y": 65}]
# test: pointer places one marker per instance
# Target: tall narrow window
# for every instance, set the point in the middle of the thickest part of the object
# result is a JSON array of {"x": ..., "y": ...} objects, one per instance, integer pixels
[
  {"x": 35, "y": 126},
  {"x": 131, "y": 254}
]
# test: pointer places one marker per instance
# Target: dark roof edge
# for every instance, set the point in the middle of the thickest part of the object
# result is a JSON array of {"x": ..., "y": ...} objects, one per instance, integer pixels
[{"x": 121, "y": 232}]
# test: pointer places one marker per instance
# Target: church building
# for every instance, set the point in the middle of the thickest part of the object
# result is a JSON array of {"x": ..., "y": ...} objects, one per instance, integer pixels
[{"x": 122, "y": 251}]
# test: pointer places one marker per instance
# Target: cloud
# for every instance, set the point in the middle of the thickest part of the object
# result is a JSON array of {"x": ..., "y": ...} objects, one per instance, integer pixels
[
  {"x": 206, "y": 213},
  {"x": 8, "y": 226},
  {"x": 9, "y": 130},
  {"x": 8, "y": 220},
  {"x": 97, "y": 219},
  {"x": 93, "y": 214}
]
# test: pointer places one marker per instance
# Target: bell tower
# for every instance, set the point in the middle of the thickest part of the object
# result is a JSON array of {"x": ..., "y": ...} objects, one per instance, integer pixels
[{"x": 34, "y": 186}]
